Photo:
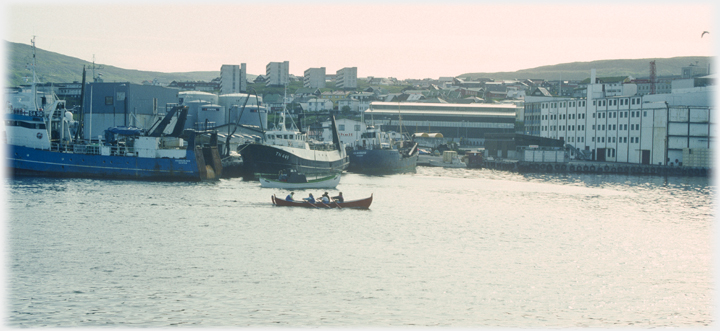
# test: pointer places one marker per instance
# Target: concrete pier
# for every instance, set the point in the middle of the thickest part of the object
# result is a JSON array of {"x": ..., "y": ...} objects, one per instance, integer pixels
[{"x": 595, "y": 167}]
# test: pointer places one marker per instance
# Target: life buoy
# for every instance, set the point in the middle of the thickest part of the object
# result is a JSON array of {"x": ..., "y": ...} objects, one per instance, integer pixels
[
  {"x": 585, "y": 168},
  {"x": 572, "y": 168},
  {"x": 592, "y": 168}
]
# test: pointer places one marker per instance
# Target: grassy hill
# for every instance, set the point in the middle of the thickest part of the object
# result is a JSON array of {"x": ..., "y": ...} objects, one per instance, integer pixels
[
  {"x": 604, "y": 68},
  {"x": 58, "y": 68}
]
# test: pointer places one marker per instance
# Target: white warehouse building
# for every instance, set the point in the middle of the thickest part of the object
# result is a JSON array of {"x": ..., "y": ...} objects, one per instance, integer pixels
[{"x": 659, "y": 129}]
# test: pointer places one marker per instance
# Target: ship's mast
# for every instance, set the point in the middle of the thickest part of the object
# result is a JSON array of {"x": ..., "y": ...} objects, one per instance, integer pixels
[
  {"x": 34, "y": 81},
  {"x": 282, "y": 114}
]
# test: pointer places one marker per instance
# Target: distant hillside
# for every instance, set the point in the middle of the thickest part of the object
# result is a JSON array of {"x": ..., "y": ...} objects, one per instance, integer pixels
[
  {"x": 57, "y": 68},
  {"x": 604, "y": 68}
]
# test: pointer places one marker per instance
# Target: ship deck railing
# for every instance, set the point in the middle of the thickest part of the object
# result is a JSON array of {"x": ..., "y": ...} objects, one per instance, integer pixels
[{"x": 91, "y": 149}]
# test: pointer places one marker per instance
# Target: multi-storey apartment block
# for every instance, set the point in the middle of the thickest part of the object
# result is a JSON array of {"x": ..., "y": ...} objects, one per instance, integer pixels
[
  {"x": 346, "y": 78},
  {"x": 233, "y": 78},
  {"x": 314, "y": 78},
  {"x": 277, "y": 73}
]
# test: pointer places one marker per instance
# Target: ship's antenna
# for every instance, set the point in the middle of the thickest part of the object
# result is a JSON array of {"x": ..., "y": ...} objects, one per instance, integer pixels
[{"x": 95, "y": 77}]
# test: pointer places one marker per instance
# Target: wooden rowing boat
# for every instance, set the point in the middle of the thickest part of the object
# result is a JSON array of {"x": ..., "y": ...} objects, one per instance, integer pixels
[{"x": 353, "y": 204}]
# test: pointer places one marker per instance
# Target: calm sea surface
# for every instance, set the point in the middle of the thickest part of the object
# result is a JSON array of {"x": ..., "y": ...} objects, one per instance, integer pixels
[{"x": 441, "y": 247}]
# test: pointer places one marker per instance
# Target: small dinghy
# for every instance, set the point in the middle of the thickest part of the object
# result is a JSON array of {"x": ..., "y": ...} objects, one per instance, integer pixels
[{"x": 293, "y": 180}]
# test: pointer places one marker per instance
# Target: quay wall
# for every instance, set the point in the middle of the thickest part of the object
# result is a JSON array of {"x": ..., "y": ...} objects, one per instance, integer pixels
[{"x": 595, "y": 167}]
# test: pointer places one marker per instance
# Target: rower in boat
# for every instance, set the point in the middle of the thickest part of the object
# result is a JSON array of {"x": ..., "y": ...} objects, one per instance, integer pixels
[{"x": 338, "y": 198}]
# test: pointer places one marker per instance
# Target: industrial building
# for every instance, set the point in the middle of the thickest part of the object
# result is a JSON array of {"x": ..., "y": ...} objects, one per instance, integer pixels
[
  {"x": 467, "y": 122},
  {"x": 107, "y": 105},
  {"x": 658, "y": 129}
]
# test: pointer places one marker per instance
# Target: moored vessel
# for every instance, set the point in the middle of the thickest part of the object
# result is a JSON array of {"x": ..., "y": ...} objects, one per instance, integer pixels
[
  {"x": 43, "y": 139},
  {"x": 293, "y": 180},
  {"x": 375, "y": 153},
  {"x": 284, "y": 148}
]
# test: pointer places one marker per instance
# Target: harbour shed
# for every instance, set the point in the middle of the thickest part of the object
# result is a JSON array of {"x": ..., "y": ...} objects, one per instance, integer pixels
[
  {"x": 452, "y": 120},
  {"x": 107, "y": 105},
  {"x": 505, "y": 145}
]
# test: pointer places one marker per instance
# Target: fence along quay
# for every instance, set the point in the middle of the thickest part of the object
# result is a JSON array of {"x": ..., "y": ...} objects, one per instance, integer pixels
[{"x": 596, "y": 167}]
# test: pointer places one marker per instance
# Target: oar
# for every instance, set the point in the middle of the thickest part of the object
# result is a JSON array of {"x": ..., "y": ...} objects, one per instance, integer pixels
[
  {"x": 312, "y": 204},
  {"x": 337, "y": 204}
]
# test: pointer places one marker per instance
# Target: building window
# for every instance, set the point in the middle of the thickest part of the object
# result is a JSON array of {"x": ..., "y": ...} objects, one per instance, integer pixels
[
  {"x": 341, "y": 127},
  {"x": 108, "y": 100},
  {"x": 645, "y": 113}
]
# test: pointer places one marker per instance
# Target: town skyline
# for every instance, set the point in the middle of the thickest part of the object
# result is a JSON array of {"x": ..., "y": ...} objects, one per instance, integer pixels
[{"x": 381, "y": 44}]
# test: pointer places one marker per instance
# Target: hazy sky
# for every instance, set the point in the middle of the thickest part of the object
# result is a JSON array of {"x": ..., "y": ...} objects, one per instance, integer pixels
[{"x": 402, "y": 39}]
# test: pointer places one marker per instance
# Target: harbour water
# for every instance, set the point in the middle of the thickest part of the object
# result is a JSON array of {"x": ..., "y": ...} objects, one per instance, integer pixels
[{"x": 440, "y": 247}]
